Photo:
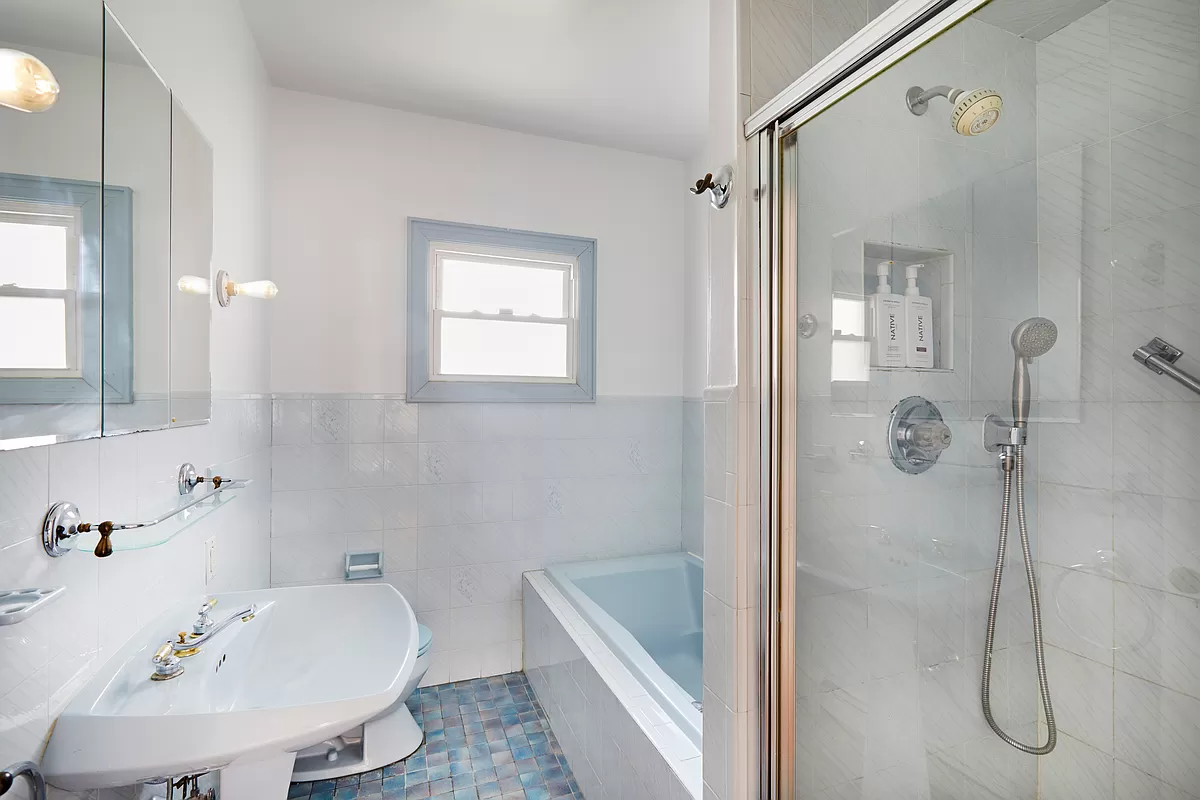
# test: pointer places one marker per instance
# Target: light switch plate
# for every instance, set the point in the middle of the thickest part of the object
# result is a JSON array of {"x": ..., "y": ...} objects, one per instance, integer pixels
[{"x": 210, "y": 560}]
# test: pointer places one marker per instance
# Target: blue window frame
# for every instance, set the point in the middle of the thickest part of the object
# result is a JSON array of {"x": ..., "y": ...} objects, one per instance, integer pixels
[
  {"x": 103, "y": 222},
  {"x": 500, "y": 315}
]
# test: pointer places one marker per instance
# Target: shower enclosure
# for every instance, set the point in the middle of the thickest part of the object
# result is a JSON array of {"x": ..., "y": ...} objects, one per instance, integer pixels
[{"x": 1036, "y": 167}]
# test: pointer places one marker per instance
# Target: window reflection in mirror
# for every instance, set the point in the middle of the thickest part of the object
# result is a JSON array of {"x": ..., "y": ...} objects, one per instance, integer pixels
[{"x": 50, "y": 226}]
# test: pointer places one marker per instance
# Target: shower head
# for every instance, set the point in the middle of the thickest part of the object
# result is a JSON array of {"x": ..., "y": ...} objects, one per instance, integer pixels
[
  {"x": 1031, "y": 339},
  {"x": 974, "y": 112},
  {"x": 1034, "y": 337}
]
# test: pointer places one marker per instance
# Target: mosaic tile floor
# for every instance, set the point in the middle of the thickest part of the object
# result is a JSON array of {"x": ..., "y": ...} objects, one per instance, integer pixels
[{"x": 486, "y": 738}]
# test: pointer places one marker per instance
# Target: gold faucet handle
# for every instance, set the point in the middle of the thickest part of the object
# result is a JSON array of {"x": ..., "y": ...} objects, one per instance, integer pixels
[{"x": 164, "y": 652}]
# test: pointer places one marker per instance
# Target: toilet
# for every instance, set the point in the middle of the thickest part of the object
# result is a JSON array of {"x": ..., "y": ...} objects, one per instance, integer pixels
[{"x": 384, "y": 740}]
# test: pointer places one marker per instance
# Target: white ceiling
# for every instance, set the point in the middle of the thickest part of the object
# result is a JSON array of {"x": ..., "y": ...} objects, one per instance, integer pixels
[{"x": 629, "y": 74}]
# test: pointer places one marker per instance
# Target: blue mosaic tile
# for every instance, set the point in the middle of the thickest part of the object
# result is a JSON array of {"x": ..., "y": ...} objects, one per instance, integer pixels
[{"x": 485, "y": 739}]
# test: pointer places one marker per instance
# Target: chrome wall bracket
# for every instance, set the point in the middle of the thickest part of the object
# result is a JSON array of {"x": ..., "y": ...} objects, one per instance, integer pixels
[
  {"x": 1160, "y": 356},
  {"x": 917, "y": 435},
  {"x": 27, "y": 770},
  {"x": 999, "y": 433}
]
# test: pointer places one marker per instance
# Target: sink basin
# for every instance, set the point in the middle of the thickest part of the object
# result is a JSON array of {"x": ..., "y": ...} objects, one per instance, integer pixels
[{"x": 314, "y": 662}]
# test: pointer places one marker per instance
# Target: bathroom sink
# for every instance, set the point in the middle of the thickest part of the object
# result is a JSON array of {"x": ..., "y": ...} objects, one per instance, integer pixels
[{"x": 312, "y": 663}]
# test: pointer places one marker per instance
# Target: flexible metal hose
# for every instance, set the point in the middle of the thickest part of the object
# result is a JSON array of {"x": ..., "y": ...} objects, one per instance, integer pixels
[{"x": 1034, "y": 601}]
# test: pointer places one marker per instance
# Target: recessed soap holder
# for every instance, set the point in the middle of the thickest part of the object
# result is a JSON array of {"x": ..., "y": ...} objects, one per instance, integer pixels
[
  {"x": 17, "y": 605},
  {"x": 363, "y": 565}
]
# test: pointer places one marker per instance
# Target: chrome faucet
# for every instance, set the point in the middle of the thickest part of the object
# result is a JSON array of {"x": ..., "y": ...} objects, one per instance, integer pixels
[
  {"x": 190, "y": 644},
  {"x": 203, "y": 622},
  {"x": 168, "y": 659}
]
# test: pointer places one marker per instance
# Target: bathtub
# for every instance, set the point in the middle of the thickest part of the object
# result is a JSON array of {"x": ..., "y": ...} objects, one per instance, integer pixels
[{"x": 649, "y": 611}]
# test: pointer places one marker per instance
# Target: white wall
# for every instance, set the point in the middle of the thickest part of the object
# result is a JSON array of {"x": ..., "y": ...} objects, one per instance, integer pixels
[
  {"x": 729, "y": 435},
  {"x": 43, "y": 660},
  {"x": 347, "y": 176},
  {"x": 462, "y": 498}
]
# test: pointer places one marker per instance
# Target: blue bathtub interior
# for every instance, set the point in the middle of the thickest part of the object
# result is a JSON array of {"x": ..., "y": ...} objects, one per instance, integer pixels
[{"x": 651, "y": 603}]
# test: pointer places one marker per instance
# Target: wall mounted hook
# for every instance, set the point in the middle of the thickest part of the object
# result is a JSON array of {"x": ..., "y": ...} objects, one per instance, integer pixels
[{"x": 720, "y": 186}]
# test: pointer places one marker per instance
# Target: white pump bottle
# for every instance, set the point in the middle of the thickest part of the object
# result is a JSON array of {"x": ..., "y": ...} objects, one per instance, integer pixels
[
  {"x": 918, "y": 315},
  {"x": 886, "y": 315}
]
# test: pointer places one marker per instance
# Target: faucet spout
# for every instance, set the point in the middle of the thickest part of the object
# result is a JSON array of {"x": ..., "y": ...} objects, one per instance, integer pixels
[{"x": 245, "y": 614}]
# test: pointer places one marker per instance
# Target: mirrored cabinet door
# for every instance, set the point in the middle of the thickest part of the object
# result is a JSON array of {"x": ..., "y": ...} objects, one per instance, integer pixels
[
  {"x": 137, "y": 239},
  {"x": 106, "y": 233},
  {"x": 191, "y": 263},
  {"x": 50, "y": 221}
]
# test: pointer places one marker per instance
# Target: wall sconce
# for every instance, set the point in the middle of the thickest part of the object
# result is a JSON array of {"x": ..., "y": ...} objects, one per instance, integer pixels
[
  {"x": 26, "y": 84},
  {"x": 228, "y": 288}
]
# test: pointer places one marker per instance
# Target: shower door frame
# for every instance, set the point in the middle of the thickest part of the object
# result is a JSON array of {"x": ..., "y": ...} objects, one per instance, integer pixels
[{"x": 902, "y": 29}]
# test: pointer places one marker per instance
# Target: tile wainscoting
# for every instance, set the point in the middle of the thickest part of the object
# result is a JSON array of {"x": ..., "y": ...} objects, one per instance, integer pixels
[
  {"x": 618, "y": 739},
  {"x": 463, "y": 498}
]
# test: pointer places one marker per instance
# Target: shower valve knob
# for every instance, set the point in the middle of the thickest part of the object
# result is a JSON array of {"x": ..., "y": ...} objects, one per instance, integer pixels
[
  {"x": 917, "y": 435},
  {"x": 932, "y": 437}
]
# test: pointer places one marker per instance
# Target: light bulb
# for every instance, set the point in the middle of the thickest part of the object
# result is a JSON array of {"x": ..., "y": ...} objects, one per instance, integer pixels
[
  {"x": 191, "y": 284},
  {"x": 263, "y": 290},
  {"x": 26, "y": 84}
]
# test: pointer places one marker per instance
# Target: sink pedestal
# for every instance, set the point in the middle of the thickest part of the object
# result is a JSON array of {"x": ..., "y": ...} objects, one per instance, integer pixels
[{"x": 388, "y": 738}]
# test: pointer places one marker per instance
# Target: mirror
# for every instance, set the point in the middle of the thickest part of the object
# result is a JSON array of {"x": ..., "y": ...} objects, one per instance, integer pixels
[
  {"x": 191, "y": 256},
  {"x": 137, "y": 238},
  {"x": 105, "y": 204},
  {"x": 50, "y": 224}
]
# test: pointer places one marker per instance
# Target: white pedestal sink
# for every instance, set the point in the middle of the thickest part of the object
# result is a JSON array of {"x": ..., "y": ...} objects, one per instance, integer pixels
[{"x": 313, "y": 663}]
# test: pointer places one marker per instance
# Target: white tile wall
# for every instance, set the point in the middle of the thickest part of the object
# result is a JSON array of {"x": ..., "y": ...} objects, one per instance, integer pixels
[
  {"x": 45, "y": 660},
  {"x": 693, "y": 476},
  {"x": 768, "y": 44},
  {"x": 788, "y": 37},
  {"x": 1119, "y": 489},
  {"x": 463, "y": 498},
  {"x": 619, "y": 742}
]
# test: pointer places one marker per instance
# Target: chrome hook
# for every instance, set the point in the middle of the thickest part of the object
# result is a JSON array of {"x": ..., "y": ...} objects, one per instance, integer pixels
[{"x": 719, "y": 186}]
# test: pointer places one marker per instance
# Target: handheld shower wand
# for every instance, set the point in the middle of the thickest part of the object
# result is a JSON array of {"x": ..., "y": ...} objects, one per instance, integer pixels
[{"x": 1031, "y": 339}]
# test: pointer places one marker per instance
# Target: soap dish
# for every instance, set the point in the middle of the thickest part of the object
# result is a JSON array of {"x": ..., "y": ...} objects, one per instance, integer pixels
[{"x": 20, "y": 604}]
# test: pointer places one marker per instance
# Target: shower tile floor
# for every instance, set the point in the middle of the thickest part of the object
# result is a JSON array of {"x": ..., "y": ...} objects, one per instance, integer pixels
[{"x": 485, "y": 738}]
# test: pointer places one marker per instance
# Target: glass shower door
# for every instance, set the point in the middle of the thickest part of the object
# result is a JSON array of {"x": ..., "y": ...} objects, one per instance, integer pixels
[{"x": 970, "y": 248}]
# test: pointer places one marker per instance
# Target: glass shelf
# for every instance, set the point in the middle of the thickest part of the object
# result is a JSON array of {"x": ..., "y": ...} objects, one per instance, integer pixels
[{"x": 164, "y": 532}]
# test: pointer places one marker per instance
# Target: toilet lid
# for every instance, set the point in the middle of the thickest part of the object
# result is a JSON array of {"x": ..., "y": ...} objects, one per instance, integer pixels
[{"x": 424, "y": 639}]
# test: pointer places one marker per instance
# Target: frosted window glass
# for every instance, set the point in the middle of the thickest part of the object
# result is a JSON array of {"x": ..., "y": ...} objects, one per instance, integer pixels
[
  {"x": 501, "y": 348},
  {"x": 849, "y": 316},
  {"x": 850, "y": 361},
  {"x": 33, "y": 256},
  {"x": 33, "y": 333},
  {"x": 492, "y": 288}
]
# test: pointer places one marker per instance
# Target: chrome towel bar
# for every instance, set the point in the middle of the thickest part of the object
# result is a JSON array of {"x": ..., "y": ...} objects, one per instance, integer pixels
[{"x": 1160, "y": 356}]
